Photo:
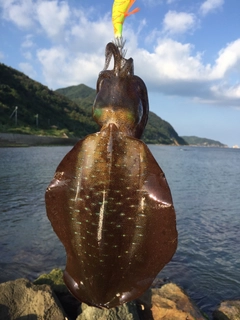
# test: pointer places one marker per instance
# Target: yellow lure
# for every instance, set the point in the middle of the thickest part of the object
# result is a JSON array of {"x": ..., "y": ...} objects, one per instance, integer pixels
[{"x": 120, "y": 11}]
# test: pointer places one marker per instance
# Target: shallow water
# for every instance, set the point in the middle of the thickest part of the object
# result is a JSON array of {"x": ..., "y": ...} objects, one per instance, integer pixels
[{"x": 205, "y": 188}]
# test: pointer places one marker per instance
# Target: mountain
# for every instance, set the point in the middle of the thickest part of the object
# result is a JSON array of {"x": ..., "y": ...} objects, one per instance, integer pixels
[
  {"x": 40, "y": 110},
  {"x": 64, "y": 112},
  {"x": 157, "y": 131},
  {"x": 204, "y": 142}
]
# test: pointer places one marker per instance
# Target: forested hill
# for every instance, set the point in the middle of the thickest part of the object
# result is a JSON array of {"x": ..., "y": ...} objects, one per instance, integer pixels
[
  {"x": 40, "y": 110},
  {"x": 65, "y": 111},
  {"x": 203, "y": 142},
  {"x": 157, "y": 130}
]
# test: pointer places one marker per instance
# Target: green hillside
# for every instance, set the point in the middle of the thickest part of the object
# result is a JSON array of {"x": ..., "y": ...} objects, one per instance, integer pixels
[
  {"x": 56, "y": 113},
  {"x": 66, "y": 111},
  {"x": 157, "y": 130},
  {"x": 196, "y": 141}
]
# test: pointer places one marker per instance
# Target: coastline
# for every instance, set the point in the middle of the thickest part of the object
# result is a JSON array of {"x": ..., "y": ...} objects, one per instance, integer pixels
[
  {"x": 48, "y": 298},
  {"x": 25, "y": 140}
]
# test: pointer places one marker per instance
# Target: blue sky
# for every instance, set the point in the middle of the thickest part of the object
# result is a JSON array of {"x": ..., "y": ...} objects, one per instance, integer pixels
[{"x": 187, "y": 52}]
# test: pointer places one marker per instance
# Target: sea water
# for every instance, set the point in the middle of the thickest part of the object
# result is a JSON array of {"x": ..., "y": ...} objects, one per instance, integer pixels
[{"x": 205, "y": 185}]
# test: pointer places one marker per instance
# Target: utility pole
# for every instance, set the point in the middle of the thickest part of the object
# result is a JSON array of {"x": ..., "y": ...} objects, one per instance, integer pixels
[
  {"x": 16, "y": 116},
  {"x": 15, "y": 112}
]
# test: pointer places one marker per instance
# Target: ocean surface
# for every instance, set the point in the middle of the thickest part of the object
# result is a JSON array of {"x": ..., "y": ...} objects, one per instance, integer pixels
[{"x": 205, "y": 185}]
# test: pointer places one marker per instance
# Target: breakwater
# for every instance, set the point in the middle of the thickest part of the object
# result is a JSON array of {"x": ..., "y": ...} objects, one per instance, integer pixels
[{"x": 18, "y": 140}]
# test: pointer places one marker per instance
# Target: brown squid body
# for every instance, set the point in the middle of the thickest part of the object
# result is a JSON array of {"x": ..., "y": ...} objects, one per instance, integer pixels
[{"x": 109, "y": 202}]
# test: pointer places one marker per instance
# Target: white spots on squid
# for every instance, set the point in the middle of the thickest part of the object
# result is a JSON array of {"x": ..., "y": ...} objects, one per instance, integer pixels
[
  {"x": 142, "y": 204},
  {"x": 133, "y": 206},
  {"x": 101, "y": 215},
  {"x": 79, "y": 182}
]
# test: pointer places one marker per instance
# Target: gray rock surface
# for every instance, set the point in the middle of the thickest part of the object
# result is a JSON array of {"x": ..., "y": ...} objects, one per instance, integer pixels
[
  {"x": 228, "y": 310},
  {"x": 127, "y": 311},
  {"x": 21, "y": 299},
  {"x": 49, "y": 299}
]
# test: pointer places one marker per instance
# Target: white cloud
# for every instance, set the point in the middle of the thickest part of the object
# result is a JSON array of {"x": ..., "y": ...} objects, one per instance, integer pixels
[
  {"x": 75, "y": 52},
  {"x": 52, "y": 16},
  {"x": 228, "y": 60},
  {"x": 178, "y": 22},
  {"x": 19, "y": 12},
  {"x": 79, "y": 57},
  {"x": 28, "y": 69},
  {"x": 62, "y": 69},
  {"x": 224, "y": 91},
  {"x": 27, "y": 46},
  {"x": 210, "y": 5},
  {"x": 27, "y": 43},
  {"x": 174, "y": 69},
  {"x": 89, "y": 36}
]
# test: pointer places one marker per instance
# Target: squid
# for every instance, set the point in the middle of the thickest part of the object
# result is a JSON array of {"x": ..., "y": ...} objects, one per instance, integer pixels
[{"x": 109, "y": 201}]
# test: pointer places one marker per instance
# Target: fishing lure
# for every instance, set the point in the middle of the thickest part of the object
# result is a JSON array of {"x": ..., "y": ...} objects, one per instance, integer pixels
[
  {"x": 109, "y": 202},
  {"x": 120, "y": 11}
]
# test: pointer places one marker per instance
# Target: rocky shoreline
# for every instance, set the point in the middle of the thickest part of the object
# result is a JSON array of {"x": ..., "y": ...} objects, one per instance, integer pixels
[
  {"x": 47, "y": 298},
  {"x": 25, "y": 140}
]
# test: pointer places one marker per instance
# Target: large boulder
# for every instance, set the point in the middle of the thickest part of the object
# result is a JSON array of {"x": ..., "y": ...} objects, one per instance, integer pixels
[
  {"x": 168, "y": 302},
  {"x": 127, "y": 311},
  {"x": 228, "y": 310},
  {"x": 21, "y": 299},
  {"x": 55, "y": 280}
]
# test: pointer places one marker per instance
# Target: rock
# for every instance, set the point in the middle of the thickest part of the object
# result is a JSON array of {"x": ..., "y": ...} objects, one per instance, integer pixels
[
  {"x": 21, "y": 299},
  {"x": 127, "y": 311},
  {"x": 55, "y": 280},
  {"x": 228, "y": 310},
  {"x": 168, "y": 302}
]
